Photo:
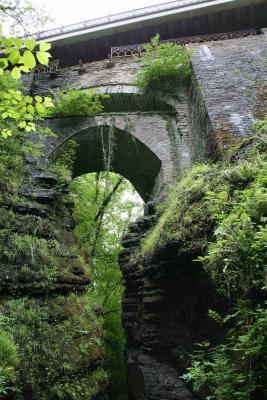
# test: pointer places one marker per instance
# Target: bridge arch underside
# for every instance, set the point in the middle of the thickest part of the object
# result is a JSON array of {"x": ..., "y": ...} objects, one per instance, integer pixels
[
  {"x": 132, "y": 145},
  {"x": 105, "y": 147}
]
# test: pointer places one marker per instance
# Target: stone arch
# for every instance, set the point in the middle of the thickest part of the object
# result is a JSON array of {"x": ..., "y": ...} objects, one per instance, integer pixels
[
  {"x": 105, "y": 147},
  {"x": 128, "y": 98},
  {"x": 141, "y": 148}
]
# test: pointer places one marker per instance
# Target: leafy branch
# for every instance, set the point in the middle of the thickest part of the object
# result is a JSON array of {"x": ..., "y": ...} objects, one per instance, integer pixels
[{"x": 17, "y": 110}]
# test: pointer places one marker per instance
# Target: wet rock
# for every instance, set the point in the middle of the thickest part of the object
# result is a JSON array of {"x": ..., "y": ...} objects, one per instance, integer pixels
[
  {"x": 45, "y": 178},
  {"x": 164, "y": 314},
  {"x": 34, "y": 209},
  {"x": 41, "y": 195}
]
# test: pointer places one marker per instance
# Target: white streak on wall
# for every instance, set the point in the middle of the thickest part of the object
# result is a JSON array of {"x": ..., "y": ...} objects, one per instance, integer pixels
[{"x": 205, "y": 53}]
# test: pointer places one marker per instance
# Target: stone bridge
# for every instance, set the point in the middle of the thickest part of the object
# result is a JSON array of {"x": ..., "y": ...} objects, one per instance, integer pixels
[
  {"x": 156, "y": 138},
  {"x": 152, "y": 141}
]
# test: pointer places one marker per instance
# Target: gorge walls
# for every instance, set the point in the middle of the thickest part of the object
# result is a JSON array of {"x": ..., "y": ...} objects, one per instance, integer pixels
[{"x": 157, "y": 139}]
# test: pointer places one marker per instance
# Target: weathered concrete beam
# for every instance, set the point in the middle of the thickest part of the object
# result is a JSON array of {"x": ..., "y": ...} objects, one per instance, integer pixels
[{"x": 187, "y": 9}]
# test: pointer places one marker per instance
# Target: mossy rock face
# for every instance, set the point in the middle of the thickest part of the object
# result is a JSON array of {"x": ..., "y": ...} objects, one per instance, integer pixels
[
  {"x": 209, "y": 196},
  {"x": 59, "y": 345},
  {"x": 9, "y": 377},
  {"x": 217, "y": 215},
  {"x": 31, "y": 265},
  {"x": 49, "y": 327},
  {"x": 38, "y": 250}
]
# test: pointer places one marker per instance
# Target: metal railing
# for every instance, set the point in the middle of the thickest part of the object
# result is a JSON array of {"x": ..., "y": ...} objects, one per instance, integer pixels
[
  {"x": 139, "y": 49},
  {"x": 123, "y": 16}
]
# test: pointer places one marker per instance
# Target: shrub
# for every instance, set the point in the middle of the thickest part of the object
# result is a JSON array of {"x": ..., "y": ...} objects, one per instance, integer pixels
[
  {"x": 237, "y": 369},
  {"x": 163, "y": 66},
  {"x": 76, "y": 102},
  {"x": 9, "y": 362},
  {"x": 221, "y": 211},
  {"x": 60, "y": 343}
]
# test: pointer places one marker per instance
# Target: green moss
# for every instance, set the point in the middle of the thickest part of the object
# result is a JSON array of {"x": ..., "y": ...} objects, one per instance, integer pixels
[
  {"x": 82, "y": 388},
  {"x": 62, "y": 164},
  {"x": 51, "y": 347},
  {"x": 261, "y": 126},
  {"x": 41, "y": 262},
  {"x": 59, "y": 343},
  {"x": 184, "y": 196},
  {"x": 207, "y": 195},
  {"x": 12, "y": 168},
  {"x": 9, "y": 363},
  {"x": 220, "y": 212}
]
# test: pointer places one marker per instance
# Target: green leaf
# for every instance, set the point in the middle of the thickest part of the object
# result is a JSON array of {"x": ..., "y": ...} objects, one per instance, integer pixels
[
  {"x": 29, "y": 128},
  {"x": 4, "y": 115},
  {"x": 15, "y": 73},
  {"x": 48, "y": 102},
  {"x": 6, "y": 42},
  {"x": 24, "y": 68},
  {"x": 5, "y": 133},
  {"x": 14, "y": 56},
  {"x": 7, "y": 95},
  {"x": 39, "y": 107},
  {"x": 17, "y": 42},
  {"x": 9, "y": 50},
  {"x": 22, "y": 124},
  {"x": 43, "y": 57},
  {"x": 28, "y": 59},
  {"x": 3, "y": 63},
  {"x": 30, "y": 109},
  {"x": 28, "y": 116},
  {"x": 28, "y": 99},
  {"x": 44, "y": 46},
  {"x": 38, "y": 99},
  {"x": 30, "y": 43}
]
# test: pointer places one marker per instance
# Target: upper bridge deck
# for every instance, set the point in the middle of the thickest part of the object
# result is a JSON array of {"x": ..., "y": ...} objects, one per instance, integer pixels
[{"x": 92, "y": 40}]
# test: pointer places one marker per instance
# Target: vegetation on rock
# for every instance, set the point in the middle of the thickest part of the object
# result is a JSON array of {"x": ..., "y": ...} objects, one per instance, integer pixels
[
  {"x": 104, "y": 206},
  {"x": 58, "y": 341},
  {"x": 51, "y": 346},
  {"x": 51, "y": 334},
  {"x": 220, "y": 211},
  {"x": 164, "y": 66},
  {"x": 76, "y": 102},
  {"x": 9, "y": 379}
]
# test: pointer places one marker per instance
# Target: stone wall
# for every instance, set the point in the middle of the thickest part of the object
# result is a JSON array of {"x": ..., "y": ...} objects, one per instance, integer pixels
[
  {"x": 94, "y": 74},
  {"x": 231, "y": 76},
  {"x": 164, "y": 135}
]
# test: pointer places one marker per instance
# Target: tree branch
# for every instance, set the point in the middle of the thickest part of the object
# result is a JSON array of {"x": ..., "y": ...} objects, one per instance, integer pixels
[
  {"x": 110, "y": 312},
  {"x": 107, "y": 199},
  {"x": 112, "y": 289},
  {"x": 99, "y": 216}
]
